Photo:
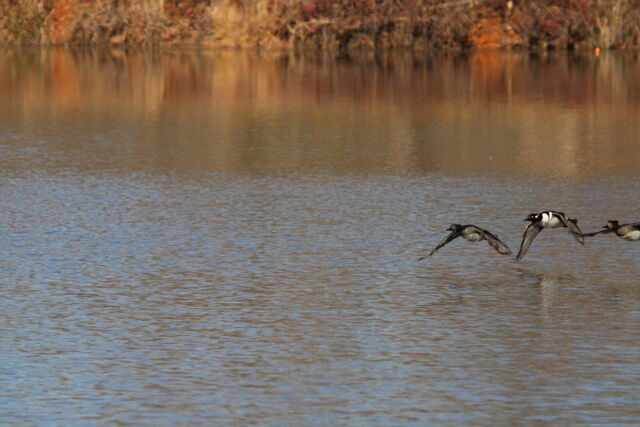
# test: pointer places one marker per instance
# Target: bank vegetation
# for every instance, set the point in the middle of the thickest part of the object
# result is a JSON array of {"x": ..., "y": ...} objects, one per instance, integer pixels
[{"x": 325, "y": 25}]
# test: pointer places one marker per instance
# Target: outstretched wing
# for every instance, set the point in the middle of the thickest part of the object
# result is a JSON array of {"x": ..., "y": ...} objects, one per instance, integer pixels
[
  {"x": 572, "y": 225},
  {"x": 530, "y": 233},
  {"x": 493, "y": 240},
  {"x": 446, "y": 240},
  {"x": 595, "y": 233}
]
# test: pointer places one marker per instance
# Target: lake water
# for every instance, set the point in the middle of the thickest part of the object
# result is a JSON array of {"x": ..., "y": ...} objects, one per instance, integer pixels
[{"x": 221, "y": 238}]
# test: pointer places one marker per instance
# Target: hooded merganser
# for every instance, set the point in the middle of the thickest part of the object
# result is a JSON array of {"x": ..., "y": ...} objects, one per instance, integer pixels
[
  {"x": 547, "y": 219},
  {"x": 471, "y": 233},
  {"x": 629, "y": 232}
]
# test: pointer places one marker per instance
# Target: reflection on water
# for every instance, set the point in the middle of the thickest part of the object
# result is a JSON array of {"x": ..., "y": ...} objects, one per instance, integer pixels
[
  {"x": 546, "y": 116},
  {"x": 196, "y": 236}
]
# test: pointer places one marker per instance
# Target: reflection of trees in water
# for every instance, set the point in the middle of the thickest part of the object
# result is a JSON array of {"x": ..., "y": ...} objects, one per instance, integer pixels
[
  {"x": 548, "y": 115},
  {"x": 405, "y": 79}
]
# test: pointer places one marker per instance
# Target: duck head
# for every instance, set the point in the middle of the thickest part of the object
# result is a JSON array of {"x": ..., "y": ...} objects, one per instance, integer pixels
[
  {"x": 612, "y": 224},
  {"x": 532, "y": 217}
]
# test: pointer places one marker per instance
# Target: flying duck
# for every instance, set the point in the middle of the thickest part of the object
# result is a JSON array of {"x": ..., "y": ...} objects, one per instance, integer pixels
[
  {"x": 471, "y": 233},
  {"x": 629, "y": 232},
  {"x": 547, "y": 219}
]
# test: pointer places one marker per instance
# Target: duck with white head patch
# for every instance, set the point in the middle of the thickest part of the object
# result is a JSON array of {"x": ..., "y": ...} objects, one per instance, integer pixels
[
  {"x": 630, "y": 232},
  {"x": 547, "y": 219},
  {"x": 471, "y": 233}
]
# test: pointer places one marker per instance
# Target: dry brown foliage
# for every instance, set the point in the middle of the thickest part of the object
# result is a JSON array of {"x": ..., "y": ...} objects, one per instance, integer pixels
[{"x": 340, "y": 26}]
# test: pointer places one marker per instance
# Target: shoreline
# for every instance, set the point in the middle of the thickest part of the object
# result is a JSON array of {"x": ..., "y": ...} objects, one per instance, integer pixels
[{"x": 337, "y": 28}]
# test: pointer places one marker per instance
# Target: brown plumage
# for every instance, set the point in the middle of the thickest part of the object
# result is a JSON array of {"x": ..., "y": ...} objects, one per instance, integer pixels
[{"x": 471, "y": 233}]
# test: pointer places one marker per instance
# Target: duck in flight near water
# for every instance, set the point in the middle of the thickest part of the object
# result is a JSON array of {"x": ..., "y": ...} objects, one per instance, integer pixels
[
  {"x": 547, "y": 219},
  {"x": 471, "y": 233},
  {"x": 629, "y": 232}
]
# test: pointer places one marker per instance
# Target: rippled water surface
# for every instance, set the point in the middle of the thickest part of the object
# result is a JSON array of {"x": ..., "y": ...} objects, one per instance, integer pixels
[{"x": 197, "y": 238}]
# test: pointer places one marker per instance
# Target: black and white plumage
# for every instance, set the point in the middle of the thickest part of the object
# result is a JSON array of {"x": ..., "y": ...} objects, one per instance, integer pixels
[
  {"x": 471, "y": 233},
  {"x": 547, "y": 219},
  {"x": 630, "y": 232}
]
